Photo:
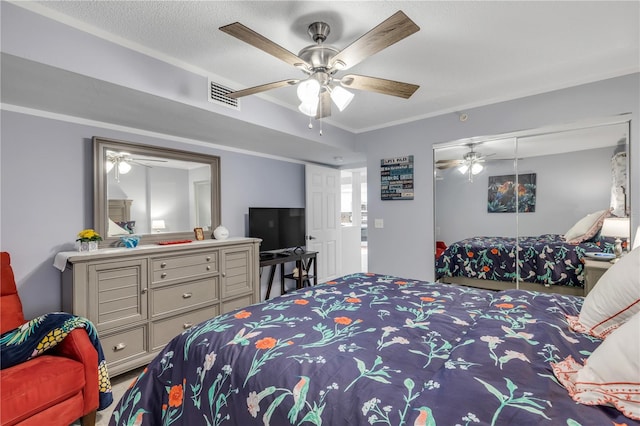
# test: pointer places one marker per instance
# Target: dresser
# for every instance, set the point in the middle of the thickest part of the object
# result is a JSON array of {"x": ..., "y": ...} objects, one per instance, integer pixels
[{"x": 140, "y": 298}]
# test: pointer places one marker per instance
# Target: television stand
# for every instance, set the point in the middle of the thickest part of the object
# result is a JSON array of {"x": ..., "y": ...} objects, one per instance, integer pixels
[{"x": 304, "y": 262}]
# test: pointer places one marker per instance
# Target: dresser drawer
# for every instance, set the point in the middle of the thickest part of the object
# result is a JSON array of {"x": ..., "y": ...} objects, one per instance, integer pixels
[
  {"x": 162, "y": 331},
  {"x": 167, "y": 269},
  {"x": 174, "y": 298},
  {"x": 240, "y": 302},
  {"x": 124, "y": 345}
]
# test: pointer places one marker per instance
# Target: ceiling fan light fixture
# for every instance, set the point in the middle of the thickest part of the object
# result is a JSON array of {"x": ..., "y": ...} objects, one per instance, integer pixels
[
  {"x": 308, "y": 90},
  {"x": 341, "y": 97},
  {"x": 109, "y": 165},
  {"x": 309, "y": 108},
  {"x": 463, "y": 168},
  {"x": 476, "y": 168},
  {"x": 123, "y": 167}
]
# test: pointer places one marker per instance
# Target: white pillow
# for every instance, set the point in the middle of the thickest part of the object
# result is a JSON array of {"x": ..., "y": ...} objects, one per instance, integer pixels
[
  {"x": 115, "y": 229},
  {"x": 611, "y": 374},
  {"x": 614, "y": 299},
  {"x": 587, "y": 227}
]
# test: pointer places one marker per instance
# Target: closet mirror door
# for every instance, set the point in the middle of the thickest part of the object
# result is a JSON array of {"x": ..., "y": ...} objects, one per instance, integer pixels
[
  {"x": 475, "y": 229},
  {"x": 509, "y": 225},
  {"x": 575, "y": 171}
]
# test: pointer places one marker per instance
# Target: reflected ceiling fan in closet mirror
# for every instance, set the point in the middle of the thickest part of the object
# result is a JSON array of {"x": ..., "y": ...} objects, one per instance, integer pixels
[
  {"x": 470, "y": 163},
  {"x": 321, "y": 63}
]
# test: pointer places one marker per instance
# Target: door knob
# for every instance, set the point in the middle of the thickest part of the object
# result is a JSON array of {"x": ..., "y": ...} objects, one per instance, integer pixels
[{"x": 311, "y": 237}]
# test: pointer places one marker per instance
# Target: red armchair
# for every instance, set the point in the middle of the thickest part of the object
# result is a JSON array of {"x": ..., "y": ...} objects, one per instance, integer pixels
[{"x": 57, "y": 387}]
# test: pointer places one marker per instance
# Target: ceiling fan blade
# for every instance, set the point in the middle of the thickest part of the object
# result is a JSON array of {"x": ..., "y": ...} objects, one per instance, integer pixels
[
  {"x": 324, "y": 105},
  {"x": 443, "y": 166},
  {"x": 262, "y": 88},
  {"x": 379, "y": 85},
  {"x": 251, "y": 37},
  {"x": 390, "y": 31}
]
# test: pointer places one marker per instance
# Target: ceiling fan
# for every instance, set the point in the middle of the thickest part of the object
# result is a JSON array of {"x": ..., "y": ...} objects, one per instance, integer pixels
[
  {"x": 121, "y": 162},
  {"x": 470, "y": 162},
  {"x": 322, "y": 62}
]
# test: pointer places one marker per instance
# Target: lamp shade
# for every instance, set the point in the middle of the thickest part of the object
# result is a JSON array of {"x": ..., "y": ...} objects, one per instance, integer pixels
[
  {"x": 309, "y": 108},
  {"x": 158, "y": 224},
  {"x": 636, "y": 239},
  {"x": 124, "y": 167},
  {"x": 476, "y": 168},
  {"x": 616, "y": 227},
  {"x": 341, "y": 97},
  {"x": 308, "y": 90}
]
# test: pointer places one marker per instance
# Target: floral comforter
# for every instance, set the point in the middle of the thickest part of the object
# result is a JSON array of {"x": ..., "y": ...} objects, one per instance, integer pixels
[
  {"x": 545, "y": 259},
  {"x": 371, "y": 349}
]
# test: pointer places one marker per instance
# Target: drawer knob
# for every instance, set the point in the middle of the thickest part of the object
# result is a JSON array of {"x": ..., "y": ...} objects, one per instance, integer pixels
[
  {"x": 208, "y": 258},
  {"x": 143, "y": 291},
  {"x": 208, "y": 268},
  {"x": 163, "y": 275},
  {"x": 119, "y": 346},
  {"x": 186, "y": 295},
  {"x": 163, "y": 264},
  {"x": 224, "y": 274},
  {"x": 187, "y": 325}
]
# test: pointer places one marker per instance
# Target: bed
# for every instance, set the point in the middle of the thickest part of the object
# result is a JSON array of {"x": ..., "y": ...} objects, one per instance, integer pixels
[
  {"x": 548, "y": 259},
  {"x": 372, "y": 349}
]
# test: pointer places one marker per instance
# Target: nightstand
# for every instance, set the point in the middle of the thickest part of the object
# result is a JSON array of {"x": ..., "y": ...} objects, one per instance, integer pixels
[{"x": 593, "y": 270}]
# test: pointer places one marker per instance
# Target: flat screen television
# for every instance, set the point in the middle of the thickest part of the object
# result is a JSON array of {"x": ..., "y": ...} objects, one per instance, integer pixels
[{"x": 279, "y": 227}]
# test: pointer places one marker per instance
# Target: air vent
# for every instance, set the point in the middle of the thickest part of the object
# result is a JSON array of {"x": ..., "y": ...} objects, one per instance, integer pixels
[{"x": 218, "y": 94}]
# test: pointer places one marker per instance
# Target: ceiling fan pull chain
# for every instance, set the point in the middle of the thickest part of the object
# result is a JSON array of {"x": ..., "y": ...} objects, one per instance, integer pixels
[{"x": 310, "y": 123}]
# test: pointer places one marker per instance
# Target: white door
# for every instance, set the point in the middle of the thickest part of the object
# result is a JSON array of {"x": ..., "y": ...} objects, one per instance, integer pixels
[{"x": 323, "y": 219}]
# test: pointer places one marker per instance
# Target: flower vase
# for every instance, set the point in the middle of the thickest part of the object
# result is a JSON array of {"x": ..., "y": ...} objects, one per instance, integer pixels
[{"x": 87, "y": 245}]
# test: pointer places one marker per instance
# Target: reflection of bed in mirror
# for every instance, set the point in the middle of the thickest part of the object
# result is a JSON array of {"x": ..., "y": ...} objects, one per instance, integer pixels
[
  {"x": 120, "y": 222},
  {"x": 545, "y": 262}
]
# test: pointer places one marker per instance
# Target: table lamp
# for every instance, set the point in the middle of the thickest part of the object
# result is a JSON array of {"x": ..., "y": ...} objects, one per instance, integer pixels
[
  {"x": 158, "y": 225},
  {"x": 617, "y": 227}
]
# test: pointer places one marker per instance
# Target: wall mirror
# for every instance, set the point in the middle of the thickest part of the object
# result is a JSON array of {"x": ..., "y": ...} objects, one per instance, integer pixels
[
  {"x": 156, "y": 193},
  {"x": 501, "y": 201}
]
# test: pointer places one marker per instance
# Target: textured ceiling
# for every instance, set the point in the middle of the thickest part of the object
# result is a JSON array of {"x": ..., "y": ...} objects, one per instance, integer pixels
[{"x": 466, "y": 54}]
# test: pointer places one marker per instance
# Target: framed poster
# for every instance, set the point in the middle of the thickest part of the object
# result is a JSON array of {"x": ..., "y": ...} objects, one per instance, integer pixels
[
  {"x": 503, "y": 194},
  {"x": 396, "y": 178}
]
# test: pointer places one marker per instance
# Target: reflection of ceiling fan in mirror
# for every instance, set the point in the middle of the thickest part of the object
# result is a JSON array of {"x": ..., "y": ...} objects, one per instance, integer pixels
[
  {"x": 321, "y": 62},
  {"x": 121, "y": 162},
  {"x": 471, "y": 163}
]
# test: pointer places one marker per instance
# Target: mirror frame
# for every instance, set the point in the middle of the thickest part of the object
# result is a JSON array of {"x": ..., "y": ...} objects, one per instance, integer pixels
[{"x": 100, "y": 210}]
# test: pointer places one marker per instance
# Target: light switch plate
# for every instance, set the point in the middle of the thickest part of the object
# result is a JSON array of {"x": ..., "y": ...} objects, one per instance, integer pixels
[{"x": 378, "y": 223}]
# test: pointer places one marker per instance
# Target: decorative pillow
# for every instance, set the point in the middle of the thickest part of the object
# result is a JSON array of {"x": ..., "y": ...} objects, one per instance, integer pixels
[
  {"x": 614, "y": 299},
  {"x": 128, "y": 226},
  {"x": 611, "y": 374},
  {"x": 587, "y": 227}
]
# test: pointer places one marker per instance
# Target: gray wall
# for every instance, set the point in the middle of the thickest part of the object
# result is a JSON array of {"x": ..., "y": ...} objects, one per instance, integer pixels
[
  {"x": 405, "y": 246},
  {"x": 46, "y": 183}
]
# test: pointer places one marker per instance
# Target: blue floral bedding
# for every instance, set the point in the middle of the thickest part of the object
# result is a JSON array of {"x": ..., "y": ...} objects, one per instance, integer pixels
[
  {"x": 545, "y": 259},
  {"x": 371, "y": 349}
]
